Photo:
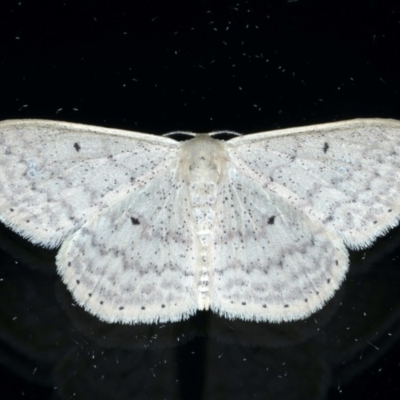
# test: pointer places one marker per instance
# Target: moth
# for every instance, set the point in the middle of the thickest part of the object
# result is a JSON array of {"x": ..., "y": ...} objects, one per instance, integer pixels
[{"x": 151, "y": 230}]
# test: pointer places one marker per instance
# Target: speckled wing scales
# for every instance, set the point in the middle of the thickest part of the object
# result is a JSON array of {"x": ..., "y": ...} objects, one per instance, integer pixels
[
  {"x": 113, "y": 197},
  {"x": 272, "y": 262},
  {"x": 136, "y": 261},
  {"x": 345, "y": 174},
  {"x": 292, "y": 200},
  {"x": 56, "y": 176}
]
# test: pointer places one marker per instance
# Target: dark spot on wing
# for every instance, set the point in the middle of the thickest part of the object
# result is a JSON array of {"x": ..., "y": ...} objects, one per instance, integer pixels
[
  {"x": 271, "y": 220},
  {"x": 76, "y": 146},
  {"x": 326, "y": 147},
  {"x": 135, "y": 221}
]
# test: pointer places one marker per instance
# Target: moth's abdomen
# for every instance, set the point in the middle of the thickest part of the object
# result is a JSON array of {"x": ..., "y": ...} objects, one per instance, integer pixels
[{"x": 203, "y": 196}]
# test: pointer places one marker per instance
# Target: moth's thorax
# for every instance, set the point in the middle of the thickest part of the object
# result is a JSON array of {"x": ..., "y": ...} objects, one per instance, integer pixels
[{"x": 203, "y": 159}]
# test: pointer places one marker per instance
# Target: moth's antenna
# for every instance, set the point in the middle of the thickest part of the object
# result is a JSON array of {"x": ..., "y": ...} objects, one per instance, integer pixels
[{"x": 179, "y": 133}]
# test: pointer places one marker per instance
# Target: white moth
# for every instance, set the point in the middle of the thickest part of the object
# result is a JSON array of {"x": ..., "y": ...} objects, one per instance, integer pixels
[{"x": 152, "y": 230}]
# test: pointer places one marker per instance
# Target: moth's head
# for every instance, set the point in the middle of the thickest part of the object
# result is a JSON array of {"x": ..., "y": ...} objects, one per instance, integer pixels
[{"x": 203, "y": 158}]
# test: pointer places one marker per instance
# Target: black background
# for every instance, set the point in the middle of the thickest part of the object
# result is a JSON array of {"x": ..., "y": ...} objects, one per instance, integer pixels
[{"x": 200, "y": 66}]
